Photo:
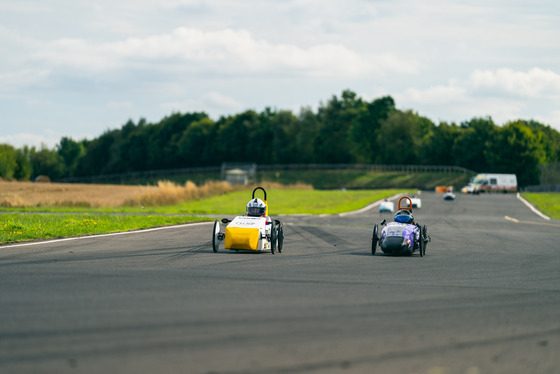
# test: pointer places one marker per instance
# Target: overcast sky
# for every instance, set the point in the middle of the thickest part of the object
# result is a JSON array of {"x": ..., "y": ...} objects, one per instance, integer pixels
[{"x": 78, "y": 68}]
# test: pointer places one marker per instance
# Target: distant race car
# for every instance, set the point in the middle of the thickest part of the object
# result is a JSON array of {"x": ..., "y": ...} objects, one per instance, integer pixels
[
  {"x": 467, "y": 189},
  {"x": 386, "y": 206},
  {"x": 253, "y": 231},
  {"x": 449, "y": 195},
  {"x": 416, "y": 202},
  {"x": 402, "y": 237}
]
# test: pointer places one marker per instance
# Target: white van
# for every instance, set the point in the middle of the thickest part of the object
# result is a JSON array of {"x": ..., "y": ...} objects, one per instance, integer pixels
[{"x": 488, "y": 182}]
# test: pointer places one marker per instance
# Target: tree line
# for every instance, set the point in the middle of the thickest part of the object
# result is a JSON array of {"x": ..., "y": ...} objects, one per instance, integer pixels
[{"x": 345, "y": 129}]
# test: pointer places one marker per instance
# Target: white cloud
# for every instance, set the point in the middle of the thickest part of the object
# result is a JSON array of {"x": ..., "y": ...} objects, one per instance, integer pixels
[
  {"x": 499, "y": 83},
  {"x": 500, "y": 109},
  {"x": 553, "y": 118},
  {"x": 212, "y": 103},
  {"x": 12, "y": 82},
  {"x": 79, "y": 55},
  {"x": 216, "y": 100},
  {"x": 503, "y": 94},
  {"x": 436, "y": 94},
  {"x": 533, "y": 83},
  {"x": 19, "y": 140},
  {"x": 224, "y": 52},
  {"x": 120, "y": 104}
]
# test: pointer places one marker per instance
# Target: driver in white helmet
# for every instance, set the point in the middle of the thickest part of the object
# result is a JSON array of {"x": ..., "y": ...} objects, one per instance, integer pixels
[{"x": 256, "y": 208}]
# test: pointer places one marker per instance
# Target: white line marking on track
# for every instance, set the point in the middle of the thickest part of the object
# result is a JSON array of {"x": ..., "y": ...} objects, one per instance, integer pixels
[
  {"x": 540, "y": 223},
  {"x": 535, "y": 210},
  {"x": 103, "y": 235}
]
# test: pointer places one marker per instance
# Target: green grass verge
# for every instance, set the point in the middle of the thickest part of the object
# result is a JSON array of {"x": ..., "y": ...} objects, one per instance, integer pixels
[
  {"x": 546, "y": 202},
  {"x": 289, "y": 201},
  {"x": 20, "y": 227},
  {"x": 359, "y": 179}
]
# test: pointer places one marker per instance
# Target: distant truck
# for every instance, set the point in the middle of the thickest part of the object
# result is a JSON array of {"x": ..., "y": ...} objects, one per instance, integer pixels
[{"x": 487, "y": 182}]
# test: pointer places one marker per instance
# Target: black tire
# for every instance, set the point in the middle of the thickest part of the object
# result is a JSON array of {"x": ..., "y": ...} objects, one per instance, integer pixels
[
  {"x": 273, "y": 238},
  {"x": 374, "y": 239},
  {"x": 280, "y": 237},
  {"x": 420, "y": 244},
  {"x": 425, "y": 239},
  {"x": 215, "y": 239}
]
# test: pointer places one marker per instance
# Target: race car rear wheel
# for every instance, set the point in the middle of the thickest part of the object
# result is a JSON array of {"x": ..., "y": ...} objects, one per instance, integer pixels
[
  {"x": 374, "y": 239},
  {"x": 420, "y": 243},
  {"x": 280, "y": 237},
  {"x": 425, "y": 239},
  {"x": 215, "y": 236}
]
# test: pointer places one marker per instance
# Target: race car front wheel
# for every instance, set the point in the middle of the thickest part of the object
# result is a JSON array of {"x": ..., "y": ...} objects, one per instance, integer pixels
[
  {"x": 215, "y": 236},
  {"x": 374, "y": 239}
]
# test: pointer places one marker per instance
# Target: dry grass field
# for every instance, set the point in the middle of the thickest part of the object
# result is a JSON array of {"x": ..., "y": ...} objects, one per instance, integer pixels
[
  {"x": 26, "y": 194},
  {"x": 29, "y": 194}
]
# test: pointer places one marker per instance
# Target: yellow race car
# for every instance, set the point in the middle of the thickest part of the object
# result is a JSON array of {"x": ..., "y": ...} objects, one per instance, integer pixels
[{"x": 253, "y": 231}]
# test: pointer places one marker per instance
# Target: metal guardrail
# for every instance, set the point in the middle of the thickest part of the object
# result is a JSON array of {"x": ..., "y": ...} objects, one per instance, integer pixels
[
  {"x": 409, "y": 169},
  {"x": 550, "y": 179},
  {"x": 550, "y": 174},
  {"x": 543, "y": 188},
  {"x": 368, "y": 167},
  {"x": 139, "y": 175}
]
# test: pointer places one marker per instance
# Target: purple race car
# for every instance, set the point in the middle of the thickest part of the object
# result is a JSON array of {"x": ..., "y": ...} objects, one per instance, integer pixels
[{"x": 402, "y": 237}]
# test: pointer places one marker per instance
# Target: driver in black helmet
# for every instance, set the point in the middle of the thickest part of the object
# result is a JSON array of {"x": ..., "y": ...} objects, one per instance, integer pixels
[{"x": 404, "y": 216}]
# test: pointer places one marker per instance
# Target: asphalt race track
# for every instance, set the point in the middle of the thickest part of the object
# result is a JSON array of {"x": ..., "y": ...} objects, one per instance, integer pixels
[{"x": 484, "y": 299}]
